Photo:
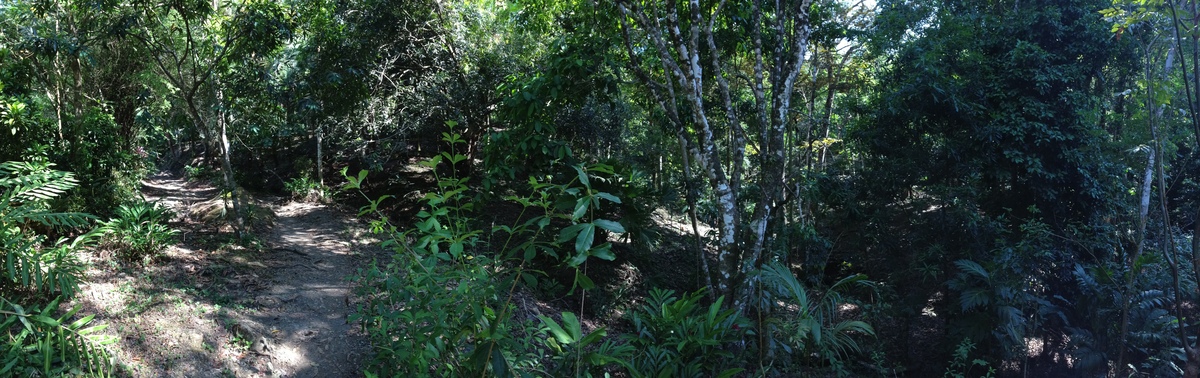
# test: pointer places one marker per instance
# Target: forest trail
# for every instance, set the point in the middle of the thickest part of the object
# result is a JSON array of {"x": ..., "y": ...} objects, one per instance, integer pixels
[{"x": 211, "y": 308}]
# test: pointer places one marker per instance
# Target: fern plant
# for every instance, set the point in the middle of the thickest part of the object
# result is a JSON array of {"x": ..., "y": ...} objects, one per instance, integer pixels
[
  {"x": 37, "y": 343},
  {"x": 139, "y": 231},
  {"x": 803, "y": 324},
  {"x": 28, "y": 267},
  {"x": 679, "y": 337}
]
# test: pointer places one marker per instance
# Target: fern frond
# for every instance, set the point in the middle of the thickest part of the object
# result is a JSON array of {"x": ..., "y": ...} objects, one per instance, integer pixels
[
  {"x": 60, "y": 219},
  {"x": 973, "y": 269}
]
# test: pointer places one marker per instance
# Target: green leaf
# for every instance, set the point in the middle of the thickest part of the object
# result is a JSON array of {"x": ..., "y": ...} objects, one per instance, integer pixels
[
  {"x": 603, "y": 252},
  {"x": 46, "y": 320},
  {"x": 609, "y": 197},
  {"x": 973, "y": 268},
  {"x": 500, "y": 366},
  {"x": 581, "y": 207},
  {"x": 569, "y": 232},
  {"x": 577, "y": 260},
  {"x": 583, "y": 177},
  {"x": 557, "y": 331},
  {"x": 586, "y": 237},
  {"x": 596, "y": 335},
  {"x": 529, "y": 279},
  {"x": 611, "y": 226},
  {"x": 584, "y": 282},
  {"x": 571, "y": 324}
]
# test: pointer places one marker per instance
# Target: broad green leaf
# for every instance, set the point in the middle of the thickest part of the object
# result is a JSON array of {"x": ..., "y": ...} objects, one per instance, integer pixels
[
  {"x": 581, "y": 208},
  {"x": 46, "y": 320},
  {"x": 583, "y": 177},
  {"x": 571, "y": 324},
  {"x": 569, "y": 232},
  {"x": 611, "y": 226},
  {"x": 584, "y": 282},
  {"x": 609, "y": 197},
  {"x": 586, "y": 237},
  {"x": 603, "y": 252},
  {"x": 557, "y": 331}
]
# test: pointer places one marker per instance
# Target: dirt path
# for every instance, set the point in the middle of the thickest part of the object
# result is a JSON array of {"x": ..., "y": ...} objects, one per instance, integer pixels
[{"x": 213, "y": 308}]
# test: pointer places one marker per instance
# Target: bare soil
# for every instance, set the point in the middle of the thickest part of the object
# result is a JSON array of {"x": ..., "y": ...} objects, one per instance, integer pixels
[{"x": 276, "y": 306}]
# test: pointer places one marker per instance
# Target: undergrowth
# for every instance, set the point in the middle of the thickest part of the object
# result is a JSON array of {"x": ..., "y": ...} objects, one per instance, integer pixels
[{"x": 442, "y": 304}]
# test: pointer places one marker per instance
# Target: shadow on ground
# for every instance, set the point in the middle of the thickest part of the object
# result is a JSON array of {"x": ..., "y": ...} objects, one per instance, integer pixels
[{"x": 276, "y": 306}]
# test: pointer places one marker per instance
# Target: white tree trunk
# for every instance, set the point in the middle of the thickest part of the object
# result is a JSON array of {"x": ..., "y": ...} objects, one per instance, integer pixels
[
  {"x": 320, "y": 157},
  {"x": 681, "y": 80},
  {"x": 230, "y": 183}
]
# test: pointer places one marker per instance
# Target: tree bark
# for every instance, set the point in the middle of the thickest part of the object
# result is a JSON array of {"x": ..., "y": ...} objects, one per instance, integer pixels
[
  {"x": 230, "y": 184},
  {"x": 320, "y": 157},
  {"x": 691, "y": 199},
  {"x": 682, "y": 82}
]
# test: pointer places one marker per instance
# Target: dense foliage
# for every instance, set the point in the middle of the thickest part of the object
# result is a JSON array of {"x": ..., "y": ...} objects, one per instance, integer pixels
[
  {"x": 646, "y": 187},
  {"x": 38, "y": 341}
]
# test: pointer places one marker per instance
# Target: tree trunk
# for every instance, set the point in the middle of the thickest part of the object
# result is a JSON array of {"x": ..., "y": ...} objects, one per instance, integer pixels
[
  {"x": 677, "y": 44},
  {"x": 691, "y": 200},
  {"x": 320, "y": 157},
  {"x": 226, "y": 160},
  {"x": 230, "y": 184}
]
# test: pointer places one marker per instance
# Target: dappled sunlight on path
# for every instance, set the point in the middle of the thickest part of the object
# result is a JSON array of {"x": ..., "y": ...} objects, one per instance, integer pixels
[{"x": 275, "y": 307}]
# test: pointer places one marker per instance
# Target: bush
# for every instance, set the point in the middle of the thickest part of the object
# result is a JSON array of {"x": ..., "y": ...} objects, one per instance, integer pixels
[
  {"x": 962, "y": 364},
  {"x": 139, "y": 231},
  {"x": 106, "y": 157},
  {"x": 442, "y": 304},
  {"x": 805, "y": 325},
  {"x": 36, "y": 342},
  {"x": 201, "y": 172},
  {"x": 435, "y": 308},
  {"x": 571, "y": 351},
  {"x": 678, "y": 337},
  {"x": 39, "y": 344},
  {"x": 305, "y": 188},
  {"x": 31, "y": 268}
]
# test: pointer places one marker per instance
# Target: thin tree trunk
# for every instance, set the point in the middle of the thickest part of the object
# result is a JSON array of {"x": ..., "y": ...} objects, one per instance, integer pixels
[
  {"x": 691, "y": 199},
  {"x": 773, "y": 158},
  {"x": 680, "y": 57},
  {"x": 226, "y": 161},
  {"x": 1131, "y": 261},
  {"x": 320, "y": 156},
  {"x": 227, "y": 168}
]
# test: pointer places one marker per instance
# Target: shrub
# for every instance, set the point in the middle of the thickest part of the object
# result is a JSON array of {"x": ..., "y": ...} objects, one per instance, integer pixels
[
  {"x": 574, "y": 354},
  {"x": 139, "y": 231},
  {"x": 305, "y": 188},
  {"x": 30, "y": 268},
  {"x": 442, "y": 303},
  {"x": 200, "y": 172},
  {"x": 434, "y": 308},
  {"x": 678, "y": 337},
  {"x": 37, "y": 343},
  {"x": 805, "y": 325},
  {"x": 962, "y": 364}
]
